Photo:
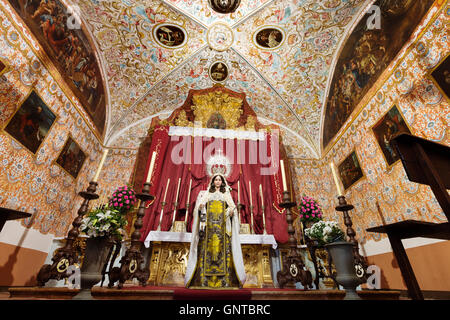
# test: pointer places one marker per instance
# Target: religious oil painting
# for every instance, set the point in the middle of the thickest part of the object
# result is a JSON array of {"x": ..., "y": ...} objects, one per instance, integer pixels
[
  {"x": 441, "y": 76},
  {"x": 268, "y": 38},
  {"x": 31, "y": 123},
  {"x": 60, "y": 32},
  {"x": 170, "y": 35},
  {"x": 71, "y": 158},
  {"x": 367, "y": 53},
  {"x": 350, "y": 170},
  {"x": 224, "y": 6},
  {"x": 385, "y": 129},
  {"x": 218, "y": 71}
]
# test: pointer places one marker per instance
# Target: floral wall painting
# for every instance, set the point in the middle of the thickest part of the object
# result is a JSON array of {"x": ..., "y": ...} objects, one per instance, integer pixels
[
  {"x": 31, "y": 123},
  {"x": 71, "y": 158},
  {"x": 441, "y": 76},
  {"x": 364, "y": 57},
  {"x": 391, "y": 124},
  {"x": 224, "y": 6},
  {"x": 218, "y": 71},
  {"x": 170, "y": 35},
  {"x": 268, "y": 38},
  {"x": 350, "y": 170},
  {"x": 69, "y": 49}
]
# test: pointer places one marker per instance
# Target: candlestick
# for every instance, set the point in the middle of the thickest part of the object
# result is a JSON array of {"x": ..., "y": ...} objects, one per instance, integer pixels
[
  {"x": 100, "y": 166},
  {"x": 187, "y": 203},
  {"x": 162, "y": 206},
  {"x": 336, "y": 180},
  {"x": 150, "y": 170},
  {"x": 176, "y": 202},
  {"x": 251, "y": 208},
  {"x": 262, "y": 208},
  {"x": 261, "y": 193},
  {"x": 250, "y": 187},
  {"x": 283, "y": 175},
  {"x": 167, "y": 188},
  {"x": 189, "y": 192},
  {"x": 239, "y": 194}
]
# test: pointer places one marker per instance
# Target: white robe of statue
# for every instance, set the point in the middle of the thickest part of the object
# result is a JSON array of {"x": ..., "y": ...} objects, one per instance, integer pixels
[{"x": 232, "y": 229}]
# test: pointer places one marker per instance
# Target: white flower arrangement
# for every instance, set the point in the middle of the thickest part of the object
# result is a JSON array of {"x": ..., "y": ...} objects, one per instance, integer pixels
[
  {"x": 104, "y": 222},
  {"x": 325, "y": 232}
]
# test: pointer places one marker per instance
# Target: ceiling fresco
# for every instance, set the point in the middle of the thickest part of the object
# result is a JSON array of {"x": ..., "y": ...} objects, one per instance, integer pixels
[
  {"x": 68, "y": 46},
  {"x": 366, "y": 55},
  {"x": 281, "y": 53}
]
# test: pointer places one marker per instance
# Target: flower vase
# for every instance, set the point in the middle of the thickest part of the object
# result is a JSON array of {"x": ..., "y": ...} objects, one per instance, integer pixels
[
  {"x": 95, "y": 257},
  {"x": 342, "y": 254}
]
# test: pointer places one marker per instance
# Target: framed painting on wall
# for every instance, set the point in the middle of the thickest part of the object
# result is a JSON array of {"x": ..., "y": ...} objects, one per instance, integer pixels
[
  {"x": 71, "y": 158},
  {"x": 350, "y": 170},
  {"x": 391, "y": 124},
  {"x": 31, "y": 123},
  {"x": 441, "y": 76}
]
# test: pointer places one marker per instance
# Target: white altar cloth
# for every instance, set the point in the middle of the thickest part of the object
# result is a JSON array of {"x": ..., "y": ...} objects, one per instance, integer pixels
[{"x": 168, "y": 236}]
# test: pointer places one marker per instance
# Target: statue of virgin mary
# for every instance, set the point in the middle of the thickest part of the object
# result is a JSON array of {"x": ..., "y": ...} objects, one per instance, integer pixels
[{"x": 215, "y": 255}]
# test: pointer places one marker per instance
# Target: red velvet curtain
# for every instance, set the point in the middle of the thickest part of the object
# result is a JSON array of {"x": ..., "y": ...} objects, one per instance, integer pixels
[{"x": 182, "y": 158}]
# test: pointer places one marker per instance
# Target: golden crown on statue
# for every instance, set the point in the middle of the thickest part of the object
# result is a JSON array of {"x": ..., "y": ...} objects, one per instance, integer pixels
[{"x": 218, "y": 164}]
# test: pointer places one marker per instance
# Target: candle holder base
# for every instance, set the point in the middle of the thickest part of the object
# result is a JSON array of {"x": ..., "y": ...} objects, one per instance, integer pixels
[
  {"x": 68, "y": 255},
  {"x": 131, "y": 262},
  {"x": 360, "y": 262},
  {"x": 293, "y": 269}
]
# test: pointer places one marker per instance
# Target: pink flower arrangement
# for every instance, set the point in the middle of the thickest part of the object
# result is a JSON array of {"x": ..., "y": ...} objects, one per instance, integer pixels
[
  {"x": 309, "y": 209},
  {"x": 123, "y": 199}
]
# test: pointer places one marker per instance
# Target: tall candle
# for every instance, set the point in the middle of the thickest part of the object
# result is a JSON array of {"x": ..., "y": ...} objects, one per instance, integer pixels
[
  {"x": 100, "y": 166},
  {"x": 176, "y": 200},
  {"x": 283, "y": 175},
  {"x": 150, "y": 170},
  {"x": 167, "y": 187},
  {"x": 189, "y": 191},
  {"x": 239, "y": 194},
  {"x": 262, "y": 205},
  {"x": 336, "y": 181},
  {"x": 250, "y": 187},
  {"x": 178, "y": 189},
  {"x": 261, "y": 193}
]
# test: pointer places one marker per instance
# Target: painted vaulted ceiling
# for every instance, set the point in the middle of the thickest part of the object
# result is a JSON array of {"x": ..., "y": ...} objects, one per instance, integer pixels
[{"x": 286, "y": 84}]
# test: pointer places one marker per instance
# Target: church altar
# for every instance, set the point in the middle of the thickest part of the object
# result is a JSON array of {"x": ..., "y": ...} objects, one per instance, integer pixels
[{"x": 170, "y": 251}]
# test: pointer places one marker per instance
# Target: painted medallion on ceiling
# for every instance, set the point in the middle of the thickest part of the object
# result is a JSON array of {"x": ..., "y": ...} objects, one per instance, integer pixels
[
  {"x": 268, "y": 38},
  {"x": 366, "y": 54},
  {"x": 224, "y": 6},
  {"x": 170, "y": 35},
  {"x": 61, "y": 34},
  {"x": 218, "y": 71}
]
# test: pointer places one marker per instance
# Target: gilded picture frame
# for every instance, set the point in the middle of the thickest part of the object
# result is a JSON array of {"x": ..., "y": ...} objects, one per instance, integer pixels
[
  {"x": 440, "y": 75},
  {"x": 350, "y": 165},
  {"x": 65, "y": 156},
  {"x": 391, "y": 123},
  {"x": 28, "y": 125}
]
